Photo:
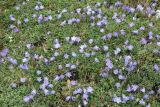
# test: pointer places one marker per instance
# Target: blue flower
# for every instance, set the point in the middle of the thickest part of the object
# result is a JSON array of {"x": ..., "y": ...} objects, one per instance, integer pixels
[
  {"x": 68, "y": 74},
  {"x": 24, "y": 66},
  {"x": 116, "y": 71},
  {"x": 4, "y": 52},
  {"x": 142, "y": 28},
  {"x": 143, "y": 90},
  {"x": 46, "y": 92},
  {"x": 130, "y": 47},
  {"x": 26, "y": 20},
  {"x": 126, "y": 8},
  {"x": 34, "y": 92},
  {"x": 146, "y": 96},
  {"x": 56, "y": 78},
  {"x": 1, "y": 60},
  {"x": 40, "y": 18},
  {"x": 135, "y": 32},
  {"x": 125, "y": 98},
  {"x": 122, "y": 32},
  {"x": 85, "y": 96},
  {"x": 142, "y": 102},
  {"x": 126, "y": 60},
  {"x": 150, "y": 34},
  {"x": 12, "y": 18},
  {"x": 52, "y": 92},
  {"x": 68, "y": 98},
  {"x": 13, "y": 85},
  {"x": 115, "y": 34},
  {"x": 129, "y": 89},
  {"x": 16, "y": 30},
  {"x": 156, "y": 68},
  {"x": 73, "y": 83},
  {"x": 121, "y": 77},
  {"x": 158, "y": 44},
  {"x": 35, "y": 56},
  {"x": 116, "y": 99},
  {"x": 143, "y": 41},
  {"x": 85, "y": 102},
  {"x": 131, "y": 24},
  {"x": 26, "y": 99},
  {"x": 134, "y": 87},
  {"x": 109, "y": 63},
  {"x": 77, "y": 91},
  {"x": 61, "y": 76},
  {"x": 118, "y": 85}
]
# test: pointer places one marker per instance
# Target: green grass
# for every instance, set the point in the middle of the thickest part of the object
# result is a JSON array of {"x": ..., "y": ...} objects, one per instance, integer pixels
[{"x": 88, "y": 70}]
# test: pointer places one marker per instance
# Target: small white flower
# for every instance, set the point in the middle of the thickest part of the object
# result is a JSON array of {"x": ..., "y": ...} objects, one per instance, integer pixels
[
  {"x": 36, "y": 7},
  {"x": 64, "y": 10},
  {"x": 13, "y": 85},
  {"x": 74, "y": 54},
  {"x": 23, "y": 80},
  {"x": 105, "y": 47},
  {"x": 90, "y": 41},
  {"x": 132, "y": 10},
  {"x": 90, "y": 90},
  {"x": 52, "y": 92},
  {"x": 39, "y": 72},
  {"x": 73, "y": 66},
  {"x": 73, "y": 38},
  {"x": 59, "y": 16},
  {"x": 17, "y": 8},
  {"x": 56, "y": 54},
  {"x": 39, "y": 79},
  {"x": 63, "y": 23},
  {"x": 34, "y": 15},
  {"x": 96, "y": 60},
  {"x": 60, "y": 67},
  {"x": 148, "y": 105},
  {"x": 41, "y": 7},
  {"x": 102, "y": 30},
  {"x": 157, "y": 14},
  {"x": 23, "y": 3}
]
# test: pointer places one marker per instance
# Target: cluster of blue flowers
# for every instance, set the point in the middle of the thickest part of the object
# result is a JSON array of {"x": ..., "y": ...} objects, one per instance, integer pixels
[{"x": 100, "y": 20}]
